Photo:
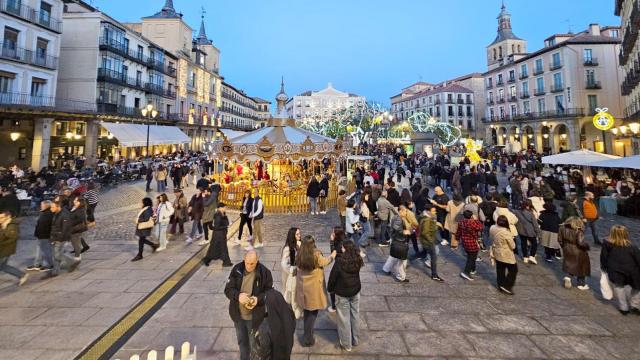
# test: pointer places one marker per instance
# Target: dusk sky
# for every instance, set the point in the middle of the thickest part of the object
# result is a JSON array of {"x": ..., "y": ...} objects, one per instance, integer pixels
[{"x": 368, "y": 47}]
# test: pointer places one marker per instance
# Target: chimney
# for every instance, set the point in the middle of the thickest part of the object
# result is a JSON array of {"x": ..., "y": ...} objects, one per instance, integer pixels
[{"x": 594, "y": 29}]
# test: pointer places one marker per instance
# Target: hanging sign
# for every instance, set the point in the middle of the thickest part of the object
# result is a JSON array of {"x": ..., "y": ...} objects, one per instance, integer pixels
[{"x": 603, "y": 120}]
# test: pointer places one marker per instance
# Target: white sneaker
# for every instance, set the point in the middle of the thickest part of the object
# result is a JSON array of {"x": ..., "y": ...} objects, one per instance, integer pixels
[
  {"x": 533, "y": 260},
  {"x": 583, "y": 287},
  {"x": 362, "y": 254},
  {"x": 567, "y": 283},
  {"x": 161, "y": 249},
  {"x": 427, "y": 263},
  {"x": 203, "y": 242},
  {"x": 331, "y": 309},
  {"x": 444, "y": 243},
  {"x": 526, "y": 260},
  {"x": 236, "y": 242},
  {"x": 188, "y": 240}
]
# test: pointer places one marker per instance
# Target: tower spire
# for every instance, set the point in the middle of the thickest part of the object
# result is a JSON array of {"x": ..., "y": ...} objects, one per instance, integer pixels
[
  {"x": 168, "y": 6},
  {"x": 202, "y": 34}
]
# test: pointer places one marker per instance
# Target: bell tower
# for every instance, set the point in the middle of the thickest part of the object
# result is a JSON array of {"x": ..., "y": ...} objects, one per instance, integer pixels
[{"x": 506, "y": 42}]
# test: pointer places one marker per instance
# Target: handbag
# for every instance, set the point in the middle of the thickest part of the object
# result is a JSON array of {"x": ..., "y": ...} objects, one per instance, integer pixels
[
  {"x": 605, "y": 287},
  {"x": 146, "y": 224},
  {"x": 399, "y": 249}
]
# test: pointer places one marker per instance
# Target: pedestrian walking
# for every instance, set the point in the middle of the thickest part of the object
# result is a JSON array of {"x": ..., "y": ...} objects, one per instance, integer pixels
[
  {"x": 502, "y": 255},
  {"x": 429, "y": 239},
  {"x": 164, "y": 212},
  {"x": 60, "y": 234},
  {"x": 161, "y": 179},
  {"x": 78, "y": 217},
  {"x": 549, "y": 227},
  {"x": 590, "y": 213},
  {"x": 9, "y": 232},
  {"x": 218, "y": 247},
  {"x": 209, "y": 204},
  {"x": 571, "y": 209},
  {"x": 353, "y": 226},
  {"x": 324, "y": 192},
  {"x": 274, "y": 338},
  {"x": 385, "y": 210},
  {"x": 313, "y": 191},
  {"x": 440, "y": 201},
  {"x": 342, "y": 206},
  {"x": 256, "y": 216},
  {"x": 288, "y": 265},
  {"x": 575, "y": 251},
  {"x": 363, "y": 218},
  {"x": 248, "y": 282},
  {"x": 620, "y": 260},
  {"x": 144, "y": 224},
  {"x": 42, "y": 233},
  {"x": 467, "y": 230},
  {"x": 148, "y": 177},
  {"x": 454, "y": 215},
  {"x": 397, "y": 261},
  {"x": 180, "y": 213},
  {"x": 529, "y": 232},
  {"x": 344, "y": 281},
  {"x": 310, "y": 291},
  {"x": 245, "y": 210},
  {"x": 92, "y": 199},
  {"x": 196, "y": 209}
]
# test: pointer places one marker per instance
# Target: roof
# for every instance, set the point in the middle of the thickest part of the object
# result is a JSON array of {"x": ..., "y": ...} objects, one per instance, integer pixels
[
  {"x": 167, "y": 12},
  {"x": 328, "y": 91},
  {"x": 453, "y": 88},
  {"x": 261, "y": 100},
  {"x": 504, "y": 27},
  {"x": 418, "y": 83}
]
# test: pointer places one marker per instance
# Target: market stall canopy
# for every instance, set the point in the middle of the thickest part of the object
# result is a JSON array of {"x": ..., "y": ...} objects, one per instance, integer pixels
[
  {"x": 230, "y": 134},
  {"x": 579, "y": 157},
  {"x": 280, "y": 139},
  {"x": 629, "y": 162},
  {"x": 130, "y": 135}
]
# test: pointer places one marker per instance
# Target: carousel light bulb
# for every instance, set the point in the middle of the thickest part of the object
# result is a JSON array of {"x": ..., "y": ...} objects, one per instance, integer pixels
[{"x": 634, "y": 127}]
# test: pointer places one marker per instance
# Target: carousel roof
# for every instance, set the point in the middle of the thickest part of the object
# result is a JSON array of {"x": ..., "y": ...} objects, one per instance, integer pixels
[{"x": 280, "y": 133}]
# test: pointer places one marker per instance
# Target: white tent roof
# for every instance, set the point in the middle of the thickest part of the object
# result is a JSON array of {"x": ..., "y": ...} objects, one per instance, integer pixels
[
  {"x": 579, "y": 157},
  {"x": 230, "y": 134},
  {"x": 136, "y": 134},
  {"x": 629, "y": 162},
  {"x": 280, "y": 135}
]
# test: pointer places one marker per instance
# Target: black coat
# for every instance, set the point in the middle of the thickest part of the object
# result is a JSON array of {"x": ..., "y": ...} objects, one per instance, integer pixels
[
  {"x": 344, "y": 280},
  {"x": 491, "y": 179},
  {"x": 549, "y": 221},
  {"x": 394, "y": 197},
  {"x": 622, "y": 264},
  {"x": 313, "y": 189},
  {"x": 324, "y": 185},
  {"x": 61, "y": 226},
  {"x": 78, "y": 219},
  {"x": 143, "y": 217},
  {"x": 279, "y": 326},
  {"x": 263, "y": 282},
  {"x": 43, "y": 225}
]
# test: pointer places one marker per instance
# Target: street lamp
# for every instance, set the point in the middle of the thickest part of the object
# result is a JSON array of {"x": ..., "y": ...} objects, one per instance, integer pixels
[{"x": 150, "y": 113}]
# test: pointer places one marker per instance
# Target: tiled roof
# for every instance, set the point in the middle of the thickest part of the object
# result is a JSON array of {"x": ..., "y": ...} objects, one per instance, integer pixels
[{"x": 450, "y": 88}]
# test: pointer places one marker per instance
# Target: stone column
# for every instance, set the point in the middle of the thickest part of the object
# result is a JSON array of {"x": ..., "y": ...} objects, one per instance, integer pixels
[
  {"x": 574, "y": 138},
  {"x": 41, "y": 143},
  {"x": 91, "y": 142}
]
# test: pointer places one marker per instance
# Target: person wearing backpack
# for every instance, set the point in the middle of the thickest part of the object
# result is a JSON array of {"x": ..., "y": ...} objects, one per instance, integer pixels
[{"x": 487, "y": 208}]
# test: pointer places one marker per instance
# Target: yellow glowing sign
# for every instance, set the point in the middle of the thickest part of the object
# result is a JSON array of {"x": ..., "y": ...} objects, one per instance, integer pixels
[
  {"x": 472, "y": 150},
  {"x": 603, "y": 120}
]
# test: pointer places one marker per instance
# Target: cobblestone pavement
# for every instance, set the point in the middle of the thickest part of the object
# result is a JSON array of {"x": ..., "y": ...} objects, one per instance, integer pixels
[{"x": 55, "y": 319}]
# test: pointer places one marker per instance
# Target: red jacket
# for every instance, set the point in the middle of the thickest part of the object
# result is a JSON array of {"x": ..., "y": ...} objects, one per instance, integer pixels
[{"x": 468, "y": 234}]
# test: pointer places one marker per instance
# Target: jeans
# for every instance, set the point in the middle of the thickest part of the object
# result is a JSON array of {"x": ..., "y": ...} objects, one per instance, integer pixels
[
  {"x": 258, "y": 232},
  {"x": 5, "y": 267},
  {"x": 162, "y": 185},
  {"x": 470, "y": 266},
  {"x": 525, "y": 248},
  {"x": 44, "y": 253},
  {"x": 506, "y": 274},
  {"x": 397, "y": 267},
  {"x": 626, "y": 296},
  {"x": 383, "y": 236},
  {"x": 594, "y": 230},
  {"x": 313, "y": 203},
  {"x": 177, "y": 223},
  {"x": 246, "y": 340},
  {"x": 60, "y": 258},
  {"x": 432, "y": 251},
  {"x": 309, "y": 322},
  {"x": 244, "y": 219},
  {"x": 161, "y": 235},
  {"x": 364, "y": 237},
  {"x": 77, "y": 242},
  {"x": 196, "y": 226},
  {"x": 347, "y": 312},
  {"x": 147, "y": 187}
]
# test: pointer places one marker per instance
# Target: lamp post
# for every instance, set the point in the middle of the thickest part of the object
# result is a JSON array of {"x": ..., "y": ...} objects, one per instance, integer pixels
[{"x": 150, "y": 113}]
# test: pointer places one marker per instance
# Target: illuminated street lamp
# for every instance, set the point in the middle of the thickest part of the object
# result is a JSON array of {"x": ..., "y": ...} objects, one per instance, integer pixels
[
  {"x": 150, "y": 113},
  {"x": 14, "y": 136}
]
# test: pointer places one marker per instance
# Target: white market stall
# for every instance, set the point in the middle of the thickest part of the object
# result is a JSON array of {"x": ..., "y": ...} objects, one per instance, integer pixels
[
  {"x": 579, "y": 157},
  {"x": 629, "y": 162}
]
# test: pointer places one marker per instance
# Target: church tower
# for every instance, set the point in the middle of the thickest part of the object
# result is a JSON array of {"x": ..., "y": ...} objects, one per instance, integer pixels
[{"x": 506, "y": 42}]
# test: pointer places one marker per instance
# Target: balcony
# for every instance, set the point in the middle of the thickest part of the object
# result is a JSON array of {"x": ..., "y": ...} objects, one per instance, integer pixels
[
  {"x": 539, "y": 92},
  {"x": 524, "y": 95},
  {"x": 511, "y": 80},
  {"x": 524, "y": 76},
  {"x": 122, "y": 49},
  {"x": 500, "y": 83},
  {"x": 537, "y": 116},
  {"x": 513, "y": 98},
  {"x": 450, "y": 101},
  {"x": 24, "y": 12},
  {"x": 538, "y": 71},
  {"x": 490, "y": 86},
  {"x": 119, "y": 78},
  {"x": 490, "y": 102},
  {"x": 154, "y": 89},
  {"x": 460, "y": 101},
  {"x": 469, "y": 102},
  {"x": 556, "y": 88},
  {"x": 591, "y": 62},
  {"x": 593, "y": 85},
  {"x": 555, "y": 66},
  {"x": 501, "y": 100},
  {"x": 10, "y": 52}
]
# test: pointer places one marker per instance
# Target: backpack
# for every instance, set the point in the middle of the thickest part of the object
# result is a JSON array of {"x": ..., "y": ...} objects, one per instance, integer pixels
[{"x": 488, "y": 208}]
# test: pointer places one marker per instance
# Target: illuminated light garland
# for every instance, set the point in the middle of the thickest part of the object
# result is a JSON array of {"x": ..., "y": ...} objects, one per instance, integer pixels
[{"x": 446, "y": 133}]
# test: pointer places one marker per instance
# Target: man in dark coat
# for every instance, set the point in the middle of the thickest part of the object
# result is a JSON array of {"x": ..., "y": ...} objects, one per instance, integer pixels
[
  {"x": 8, "y": 243},
  {"x": 60, "y": 233},
  {"x": 245, "y": 289},
  {"x": 42, "y": 233}
]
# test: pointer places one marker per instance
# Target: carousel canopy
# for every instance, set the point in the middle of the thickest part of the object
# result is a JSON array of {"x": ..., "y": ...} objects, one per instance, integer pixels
[
  {"x": 230, "y": 134},
  {"x": 136, "y": 134},
  {"x": 579, "y": 157},
  {"x": 281, "y": 139},
  {"x": 629, "y": 162}
]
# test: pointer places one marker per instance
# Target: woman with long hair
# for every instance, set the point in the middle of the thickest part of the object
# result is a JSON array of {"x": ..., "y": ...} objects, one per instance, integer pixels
[
  {"x": 352, "y": 221},
  {"x": 621, "y": 261},
  {"x": 549, "y": 227},
  {"x": 164, "y": 211},
  {"x": 502, "y": 253},
  {"x": 143, "y": 230},
  {"x": 529, "y": 231},
  {"x": 344, "y": 281},
  {"x": 335, "y": 244},
  {"x": 288, "y": 265},
  {"x": 575, "y": 250},
  {"x": 310, "y": 292},
  {"x": 454, "y": 207}
]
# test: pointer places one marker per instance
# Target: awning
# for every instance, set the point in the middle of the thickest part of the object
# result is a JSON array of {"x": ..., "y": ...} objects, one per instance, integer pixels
[
  {"x": 629, "y": 162},
  {"x": 131, "y": 135},
  {"x": 579, "y": 157},
  {"x": 230, "y": 134}
]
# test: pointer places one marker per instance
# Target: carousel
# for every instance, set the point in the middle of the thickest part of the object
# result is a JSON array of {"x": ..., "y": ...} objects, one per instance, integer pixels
[{"x": 278, "y": 160}]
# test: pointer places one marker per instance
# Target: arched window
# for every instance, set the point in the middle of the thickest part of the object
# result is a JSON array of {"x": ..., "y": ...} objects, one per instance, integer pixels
[
  {"x": 519, "y": 50},
  {"x": 494, "y": 53},
  {"x": 513, "y": 48},
  {"x": 500, "y": 52}
]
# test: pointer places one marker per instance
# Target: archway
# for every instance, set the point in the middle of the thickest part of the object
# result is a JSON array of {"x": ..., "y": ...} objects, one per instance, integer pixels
[
  {"x": 528, "y": 137},
  {"x": 502, "y": 136},
  {"x": 546, "y": 142},
  {"x": 561, "y": 139}
]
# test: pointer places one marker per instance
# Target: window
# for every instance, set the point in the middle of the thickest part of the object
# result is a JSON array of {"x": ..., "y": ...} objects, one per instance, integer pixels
[
  {"x": 593, "y": 103},
  {"x": 10, "y": 43},
  {"x": 526, "y": 107},
  {"x": 460, "y": 111},
  {"x": 140, "y": 53},
  {"x": 539, "y": 66},
  {"x": 37, "y": 87},
  {"x": 614, "y": 33},
  {"x": 6, "y": 82},
  {"x": 591, "y": 77},
  {"x": 555, "y": 58},
  {"x": 514, "y": 110},
  {"x": 501, "y": 110},
  {"x": 45, "y": 13},
  {"x": 469, "y": 111},
  {"x": 524, "y": 71},
  {"x": 512, "y": 91},
  {"x": 541, "y": 106},
  {"x": 588, "y": 55},
  {"x": 450, "y": 110},
  {"x": 490, "y": 96},
  {"x": 557, "y": 81},
  {"x": 22, "y": 153},
  {"x": 500, "y": 79},
  {"x": 41, "y": 51},
  {"x": 512, "y": 75},
  {"x": 468, "y": 98},
  {"x": 490, "y": 82},
  {"x": 500, "y": 94},
  {"x": 540, "y": 85},
  {"x": 525, "y": 88},
  {"x": 492, "y": 114},
  {"x": 559, "y": 103},
  {"x": 138, "y": 78},
  {"x": 136, "y": 103}
]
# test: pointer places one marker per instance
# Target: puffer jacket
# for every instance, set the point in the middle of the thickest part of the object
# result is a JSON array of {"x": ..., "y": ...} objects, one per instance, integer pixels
[
  {"x": 8, "y": 240},
  {"x": 344, "y": 279},
  {"x": 165, "y": 210}
]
